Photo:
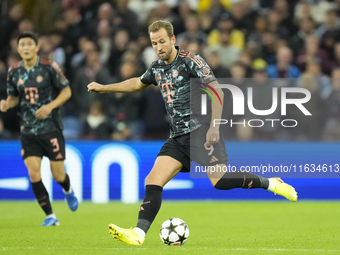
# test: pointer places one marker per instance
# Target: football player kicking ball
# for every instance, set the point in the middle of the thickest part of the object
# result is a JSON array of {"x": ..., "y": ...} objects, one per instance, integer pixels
[
  {"x": 40, "y": 88},
  {"x": 172, "y": 72}
]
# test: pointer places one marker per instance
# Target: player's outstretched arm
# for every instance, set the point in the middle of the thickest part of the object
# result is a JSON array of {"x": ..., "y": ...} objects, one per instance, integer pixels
[
  {"x": 45, "y": 110},
  {"x": 128, "y": 86},
  {"x": 9, "y": 103}
]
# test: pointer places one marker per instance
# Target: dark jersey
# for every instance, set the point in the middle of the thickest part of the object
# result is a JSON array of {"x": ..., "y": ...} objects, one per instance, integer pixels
[
  {"x": 174, "y": 82},
  {"x": 36, "y": 87}
]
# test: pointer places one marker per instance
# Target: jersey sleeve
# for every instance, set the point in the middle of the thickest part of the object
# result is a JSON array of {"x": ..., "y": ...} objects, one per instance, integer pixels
[
  {"x": 58, "y": 78},
  {"x": 11, "y": 87},
  {"x": 148, "y": 77},
  {"x": 200, "y": 69}
]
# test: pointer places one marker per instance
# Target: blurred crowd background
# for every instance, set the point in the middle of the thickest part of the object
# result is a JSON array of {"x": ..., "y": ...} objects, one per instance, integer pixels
[{"x": 106, "y": 41}]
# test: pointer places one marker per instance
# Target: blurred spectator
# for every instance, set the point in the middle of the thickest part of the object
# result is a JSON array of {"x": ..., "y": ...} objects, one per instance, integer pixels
[
  {"x": 185, "y": 11},
  {"x": 227, "y": 23},
  {"x": 246, "y": 60},
  {"x": 85, "y": 46},
  {"x": 312, "y": 52},
  {"x": 228, "y": 53},
  {"x": 96, "y": 125},
  {"x": 121, "y": 40},
  {"x": 216, "y": 7},
  {"x": 332, "y": 23},
  {"x": 306, "y": 28},
  {"x": 125, "y": 109},
  {"x": 283, "y": 67},
  {"x": 142, "y": 8},
  {"x": 323, "y": 81},
  {"x": 260, "y": 28},
  {"x": 262, "y": 99},
  {"x": 105, "y": 13},
  {"x": 242, "y": 21},
  {"x": 332, "y": 126},
  {"x": 57, "y": 54},
  {"x": 336, "y": 62},
  {"x": 59, "y": 7},
  {"x": 206, "y": 23},
  {"x": 213, "y": 60},
  {"x": 276, "y": 26},
  {"x": 154, "y": 129},
  {"x": 9, "y": 24},
  {"x": 194, "y": 47},
  {"x": 123, "y": 18},
  {"x": 25, "y": 25},
  {"x": 92, "y": 71},
  {"x": 193, "y": 33},
  {"x": 268, "y": 49},
  {"x": 104, "y": 40},
  {"x": 309, "y": 127}
]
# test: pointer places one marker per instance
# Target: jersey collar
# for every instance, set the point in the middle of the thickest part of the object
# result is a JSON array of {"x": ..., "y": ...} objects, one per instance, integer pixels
[{"x": 36, "y": 65}]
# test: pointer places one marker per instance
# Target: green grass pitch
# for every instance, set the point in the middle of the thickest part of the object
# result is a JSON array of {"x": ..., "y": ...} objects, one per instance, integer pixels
[{"x": 252, "y": 227}]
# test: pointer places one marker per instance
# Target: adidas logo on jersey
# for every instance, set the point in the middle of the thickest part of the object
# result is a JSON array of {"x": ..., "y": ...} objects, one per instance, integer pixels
[{"x": 59, "y": 156}]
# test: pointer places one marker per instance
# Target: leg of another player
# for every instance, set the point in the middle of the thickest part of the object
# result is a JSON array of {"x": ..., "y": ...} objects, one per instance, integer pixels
[
  {"x": 246, "y": 180},
  {"x": 62, "y": 178},
  {"x": 164, "y": 169},
  {"x": 33, "y": 165}
]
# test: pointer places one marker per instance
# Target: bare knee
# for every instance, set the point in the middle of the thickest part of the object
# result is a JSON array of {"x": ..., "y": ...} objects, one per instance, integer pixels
[
  {"x": 151, "y": 180},
  {"x": 34, "y": 174},
  {"x": 33, "y": 167}
]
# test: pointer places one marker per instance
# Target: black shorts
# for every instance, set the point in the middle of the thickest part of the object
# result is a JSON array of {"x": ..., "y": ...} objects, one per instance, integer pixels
[
  {"x": 51, "y": 145},
  {"x": 190, "y": 147}
]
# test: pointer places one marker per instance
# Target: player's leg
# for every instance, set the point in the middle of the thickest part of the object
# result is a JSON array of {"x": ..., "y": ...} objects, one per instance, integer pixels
[
  {"x": 33, "y": 165},
  {"x": 32, "y": 153},
  {"x": 63, "y": 179},
  {"x": 207, "y": 156},
  {"x": 54, "y": 144},
  {"x": 237, "y": 179},
  {"x": 164, "y": 169},
  {"x": 246, "y": 180}
]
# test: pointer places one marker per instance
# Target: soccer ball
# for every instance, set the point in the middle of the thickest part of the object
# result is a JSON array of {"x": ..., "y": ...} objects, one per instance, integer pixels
[{"x": 174, "y": 231}]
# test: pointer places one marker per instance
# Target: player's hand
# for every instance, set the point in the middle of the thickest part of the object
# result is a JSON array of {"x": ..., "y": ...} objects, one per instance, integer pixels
[
  {"x": 43, "y": 111},
  {"x": 3, "y": 106},
  {"x": 213, "y": 136},
  {"x": 94, "y": 87}
]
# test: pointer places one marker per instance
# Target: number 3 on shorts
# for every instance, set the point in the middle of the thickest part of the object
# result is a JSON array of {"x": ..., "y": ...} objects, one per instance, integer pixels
[{"x": 55, "y": 144}]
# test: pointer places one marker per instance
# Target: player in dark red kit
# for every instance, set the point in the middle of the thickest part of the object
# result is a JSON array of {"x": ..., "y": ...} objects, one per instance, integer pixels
[
  {"x": 40, "y": 88},
  {"x": 172, "y": 72}
]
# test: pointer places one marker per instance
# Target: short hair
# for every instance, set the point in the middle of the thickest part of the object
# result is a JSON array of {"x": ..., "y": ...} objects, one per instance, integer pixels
[
  {"x": 28, "y": 34},
  {"x": 157, "y": 25}
]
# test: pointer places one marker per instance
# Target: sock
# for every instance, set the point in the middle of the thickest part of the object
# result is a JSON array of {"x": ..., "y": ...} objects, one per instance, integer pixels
[
  {"x": 241, "y": 179},
  {"x": 150, "y": 207},
  {"x": 51, "y": 216},
  {"x": 271, "y": 184},
  {"x": 65, "y": 184},
  {"x": 41, "y": 195},
  {"x": 140, "y": 232}
]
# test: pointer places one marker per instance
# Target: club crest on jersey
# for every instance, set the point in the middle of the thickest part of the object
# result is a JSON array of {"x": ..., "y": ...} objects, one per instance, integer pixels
[
  {"x": 159, "y": 77},
  {"x": 39, "y": 78},
  {"x": 174, "y": 73},
  {"x": 204, "y": 71}
]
